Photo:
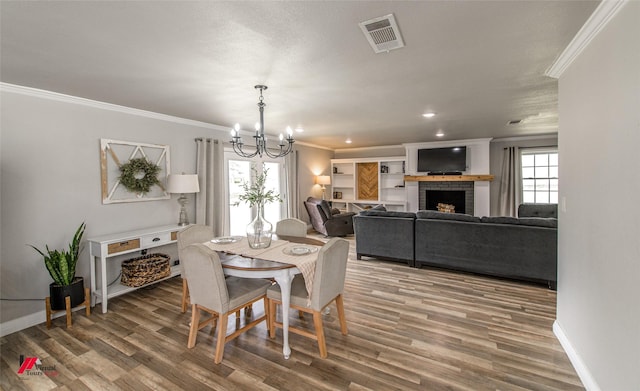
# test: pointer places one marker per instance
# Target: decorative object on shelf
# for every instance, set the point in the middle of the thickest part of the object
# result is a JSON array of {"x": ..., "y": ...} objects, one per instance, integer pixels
[
  {"x": 138, "y": 175},
  {"x": 260, "y": 138},
  {"x": 183, "y": 184},
  {"x": 384, "y": 169},
  {"x": 335, "y": 170},
  {"x": 259, "y": 231},
  {"x": 145, "y": 270},
  {"x": 67, "y": 290},
  {"x": 337, "y": 195},
  {"x": 323, "y": 180},
  {"x": 133, "y": 171}
]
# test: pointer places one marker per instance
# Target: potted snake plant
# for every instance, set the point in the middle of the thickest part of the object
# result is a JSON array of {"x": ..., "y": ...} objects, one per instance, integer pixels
[{"x": 61, "y": 265}]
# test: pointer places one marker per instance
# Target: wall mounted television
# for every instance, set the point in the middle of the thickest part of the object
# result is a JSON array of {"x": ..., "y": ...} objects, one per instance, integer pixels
[{"x": 450, "y": 160}]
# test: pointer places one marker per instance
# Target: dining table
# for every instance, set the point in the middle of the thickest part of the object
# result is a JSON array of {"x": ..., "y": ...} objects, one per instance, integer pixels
[{"x": 241, "y": 262}]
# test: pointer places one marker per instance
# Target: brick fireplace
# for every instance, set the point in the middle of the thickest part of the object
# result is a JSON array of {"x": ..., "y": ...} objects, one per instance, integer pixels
[{"x": 460, "y": 194}]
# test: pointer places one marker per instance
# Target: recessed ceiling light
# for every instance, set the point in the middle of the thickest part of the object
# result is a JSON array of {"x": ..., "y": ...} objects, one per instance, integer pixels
[
  {"x": 440, "y": 133},
  {"x": 429, "y": 115},
  {"x": 348, "y": 141}
]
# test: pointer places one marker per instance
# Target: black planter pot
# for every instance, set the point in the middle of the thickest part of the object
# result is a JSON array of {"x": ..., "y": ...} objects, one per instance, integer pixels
[{"x": 59, "y": 292}]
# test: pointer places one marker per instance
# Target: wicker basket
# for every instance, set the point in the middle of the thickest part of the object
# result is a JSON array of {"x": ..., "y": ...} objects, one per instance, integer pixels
[{"x": 144, "y": 270}]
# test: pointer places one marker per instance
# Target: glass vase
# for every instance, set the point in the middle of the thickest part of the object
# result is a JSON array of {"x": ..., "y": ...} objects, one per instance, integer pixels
[{"x": 259, "y": 230}]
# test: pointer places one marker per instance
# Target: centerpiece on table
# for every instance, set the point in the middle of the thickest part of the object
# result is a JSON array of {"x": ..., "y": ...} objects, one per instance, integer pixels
[{"x": 259, "y": 231}]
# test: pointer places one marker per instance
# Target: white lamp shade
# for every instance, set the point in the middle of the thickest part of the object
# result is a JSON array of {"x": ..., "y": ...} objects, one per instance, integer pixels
[
  {"x": 323, "y": 180},
  {"x": 182, "y": 183}
]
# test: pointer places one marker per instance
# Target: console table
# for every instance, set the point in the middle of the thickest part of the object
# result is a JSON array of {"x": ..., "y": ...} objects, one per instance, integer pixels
[{"x": 101, "y": 248}]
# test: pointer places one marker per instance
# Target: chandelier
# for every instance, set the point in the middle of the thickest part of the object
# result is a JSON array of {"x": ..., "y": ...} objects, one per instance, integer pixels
[{"x": 286, "y": 145}]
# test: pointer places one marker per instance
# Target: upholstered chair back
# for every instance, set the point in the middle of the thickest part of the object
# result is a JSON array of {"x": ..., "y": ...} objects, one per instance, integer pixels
[
  {"x": 331, "y": 269},
  {"x": 291, "y": 227},
  {"x": 191, "y": 235},
  {"x": 207, "y": 286}
]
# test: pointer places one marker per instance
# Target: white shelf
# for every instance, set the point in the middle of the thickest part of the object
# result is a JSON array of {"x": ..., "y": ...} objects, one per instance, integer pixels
[
  {"x": 102, "y": 248},
  {"x": 345, "y": 181}
]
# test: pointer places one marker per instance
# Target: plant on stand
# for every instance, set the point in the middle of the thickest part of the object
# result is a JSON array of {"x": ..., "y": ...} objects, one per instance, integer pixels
[
  {"x": 259, "y": 231},
  {"x": 61, "y": 265}
]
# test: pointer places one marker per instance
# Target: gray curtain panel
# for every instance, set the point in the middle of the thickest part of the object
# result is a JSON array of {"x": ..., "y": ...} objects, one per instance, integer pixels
[
  {"x": 292, "y": 193},
  {"x": 510, "y": 183},
  {"x": 210, "y": 208}
]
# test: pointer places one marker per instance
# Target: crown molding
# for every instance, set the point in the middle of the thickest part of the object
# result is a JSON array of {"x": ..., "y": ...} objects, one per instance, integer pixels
[
  {"x": 606, "y": 10},
  {"x": 525, "y": 138},
  {"x": 359, "y": 149},
  {"x": 50, "y": 95}
]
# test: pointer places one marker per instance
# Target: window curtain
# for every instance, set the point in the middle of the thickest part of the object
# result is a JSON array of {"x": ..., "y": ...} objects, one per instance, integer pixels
[
  {"x": 291, "y": 184},
  {"x": 510, "y": 183},
  {"x": 210, "y": 208}
]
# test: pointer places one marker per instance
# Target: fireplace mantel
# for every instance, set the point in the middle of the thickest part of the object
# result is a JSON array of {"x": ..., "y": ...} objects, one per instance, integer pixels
[{"x": 448, "y": 178}]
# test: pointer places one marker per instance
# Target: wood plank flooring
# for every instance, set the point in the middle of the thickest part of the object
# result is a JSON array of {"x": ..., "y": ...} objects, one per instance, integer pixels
[{"x": 409, "y": 329}]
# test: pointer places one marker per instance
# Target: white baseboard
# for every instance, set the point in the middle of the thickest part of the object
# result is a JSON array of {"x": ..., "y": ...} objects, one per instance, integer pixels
[
  {"x": 582, "y": 370},
  {"x": 27, "y": 321}
]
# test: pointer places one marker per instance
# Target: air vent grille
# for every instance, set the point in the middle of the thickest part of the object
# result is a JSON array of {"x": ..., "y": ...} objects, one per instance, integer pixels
[{"x": 382, "y": 33}]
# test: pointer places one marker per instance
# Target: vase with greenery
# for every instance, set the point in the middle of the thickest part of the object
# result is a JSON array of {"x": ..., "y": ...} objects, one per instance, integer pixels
[
  {"x": 259, "y": 231},
  {"x": 61, "y": 265}
]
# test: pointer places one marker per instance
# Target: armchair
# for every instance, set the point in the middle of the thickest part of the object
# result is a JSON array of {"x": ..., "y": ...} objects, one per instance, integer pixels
[{"x": 327, "y": 221}]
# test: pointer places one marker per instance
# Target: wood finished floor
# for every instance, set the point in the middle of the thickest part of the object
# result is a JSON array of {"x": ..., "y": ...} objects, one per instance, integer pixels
[{"x": 409, "y": 329}]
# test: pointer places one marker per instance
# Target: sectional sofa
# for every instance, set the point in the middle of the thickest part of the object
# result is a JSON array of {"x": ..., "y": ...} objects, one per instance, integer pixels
[{"x": 523, "y": 248}]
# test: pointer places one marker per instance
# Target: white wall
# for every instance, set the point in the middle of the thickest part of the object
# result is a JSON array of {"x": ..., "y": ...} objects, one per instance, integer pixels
[
  {"x": 598, "y": 314},
  {"x": 50, "y": 183}
]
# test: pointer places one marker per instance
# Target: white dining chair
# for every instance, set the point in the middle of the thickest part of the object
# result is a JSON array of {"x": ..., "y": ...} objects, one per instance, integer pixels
[
  {"x": 291, "y": 227},
  {"x": 211, "y": 292},
  {"x": 328, "y": 285},
  {"x": 192, "y": 234}
]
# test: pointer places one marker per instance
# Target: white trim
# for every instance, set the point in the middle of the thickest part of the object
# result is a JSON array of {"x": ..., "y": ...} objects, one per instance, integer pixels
[
  {"x": 606, "y": 10},
  {"x": 525, "y": 138},
  {"x": 341, "y": 150},
  {"x": 582, "y": 370},
  {"x": 50, "y": 95}
]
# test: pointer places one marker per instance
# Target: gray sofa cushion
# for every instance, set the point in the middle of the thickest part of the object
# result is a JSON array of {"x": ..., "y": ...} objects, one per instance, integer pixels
[
  {"x": 538, "y": 210},
  {"x": 385, "y": 213},
  {"x": 530, "y": 221},
  {"x": 432, "y": 214}
]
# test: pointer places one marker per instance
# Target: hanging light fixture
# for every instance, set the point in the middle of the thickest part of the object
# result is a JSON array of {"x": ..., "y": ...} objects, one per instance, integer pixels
[{"x": 285, "y": 144}]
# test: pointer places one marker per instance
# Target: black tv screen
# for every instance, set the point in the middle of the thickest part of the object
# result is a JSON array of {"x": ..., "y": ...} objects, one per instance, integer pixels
[{"x": 442, "y": 160}]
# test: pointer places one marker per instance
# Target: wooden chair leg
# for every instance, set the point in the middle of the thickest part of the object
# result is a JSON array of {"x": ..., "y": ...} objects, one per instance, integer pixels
[
  {"x": 222, "y": 336},
  {"x": 317, "y": 323},
  {"x": 341, "y": 317},
  {"x": 272, "y": 318},
  {"x": 193, "y": 330},
  {"x": 185, "y": 295}
]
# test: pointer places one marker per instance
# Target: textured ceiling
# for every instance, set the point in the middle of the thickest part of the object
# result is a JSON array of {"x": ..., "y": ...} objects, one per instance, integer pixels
[{"x": 477, "y": 64}]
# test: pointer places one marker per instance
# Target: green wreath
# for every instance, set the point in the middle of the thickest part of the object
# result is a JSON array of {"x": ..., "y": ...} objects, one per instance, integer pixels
[{"x": 135, "y": 167}]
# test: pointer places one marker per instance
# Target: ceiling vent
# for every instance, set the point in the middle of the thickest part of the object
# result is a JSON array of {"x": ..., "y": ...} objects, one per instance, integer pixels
[{"x": 382, "y": 33}]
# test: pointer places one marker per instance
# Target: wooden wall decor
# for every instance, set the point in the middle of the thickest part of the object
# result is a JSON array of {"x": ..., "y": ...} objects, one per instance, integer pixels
[
  {"x": 114, "y": 153},
  {"x": 367, "y": 180}
]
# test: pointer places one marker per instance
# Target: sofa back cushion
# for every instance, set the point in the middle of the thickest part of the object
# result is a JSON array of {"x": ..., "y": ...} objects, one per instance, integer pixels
[
  {"x": 432, "y": 214},
  {"x": 530, "y": 221},
  {"x": 387, "y": 213},
  {"x": 538, "y": 210}
]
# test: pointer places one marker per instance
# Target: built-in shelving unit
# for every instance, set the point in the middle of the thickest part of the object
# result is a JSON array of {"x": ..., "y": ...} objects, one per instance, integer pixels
[{"x": 387, "y": 188}]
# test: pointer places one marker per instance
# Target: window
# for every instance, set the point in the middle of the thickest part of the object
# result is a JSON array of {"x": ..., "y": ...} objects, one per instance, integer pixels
[
  {"x": 540, "y": 176},
  {"x": 239, "y": 170}
]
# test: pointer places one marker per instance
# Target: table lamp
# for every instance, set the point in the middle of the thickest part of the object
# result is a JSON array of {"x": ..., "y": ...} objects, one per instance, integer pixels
[
  {"x": 323, "y": 180},
  {"x": 182, "y": 184}
]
